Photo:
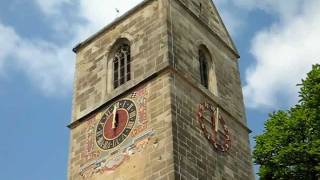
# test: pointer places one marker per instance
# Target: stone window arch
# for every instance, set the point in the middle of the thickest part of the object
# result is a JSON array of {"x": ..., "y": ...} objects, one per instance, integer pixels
[
  {"x": 207, "y": 70},
  {"x": 121, "y": 62}
]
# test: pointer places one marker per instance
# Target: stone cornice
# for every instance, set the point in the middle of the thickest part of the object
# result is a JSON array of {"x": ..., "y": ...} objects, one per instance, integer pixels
[{"x": 132, "y": 85}]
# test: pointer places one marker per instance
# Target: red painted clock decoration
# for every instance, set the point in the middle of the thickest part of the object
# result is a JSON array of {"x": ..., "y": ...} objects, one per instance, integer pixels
[
  {"x": 216, "y": 120},
  {"x": 116, "y": 124}
]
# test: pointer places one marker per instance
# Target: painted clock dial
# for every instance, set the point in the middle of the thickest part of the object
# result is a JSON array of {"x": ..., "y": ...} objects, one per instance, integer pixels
[
  {"x": 209, "y": 113},
  {"x": 116, "y": 124}
]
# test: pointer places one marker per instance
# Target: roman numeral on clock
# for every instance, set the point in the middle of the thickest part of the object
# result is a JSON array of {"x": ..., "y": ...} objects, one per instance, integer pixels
[
  {"x": 130, "y": 124},
  {"x": 132, "y": 114},
  {"x": 129, "y": 108},
  {"x": 99, "y": 133},
  {"x": 124, "y": 104},
  {"x": 116, "y": 142}
]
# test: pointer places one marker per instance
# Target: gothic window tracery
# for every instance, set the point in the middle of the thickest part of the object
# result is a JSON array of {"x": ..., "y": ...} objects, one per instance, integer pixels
[{"x": 121, "y": 65}]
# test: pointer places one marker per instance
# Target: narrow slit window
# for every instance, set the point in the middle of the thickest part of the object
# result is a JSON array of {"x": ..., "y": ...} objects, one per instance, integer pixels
[
  {"x": 203, "y": 69},
  {"x": 121, "y": 65}
]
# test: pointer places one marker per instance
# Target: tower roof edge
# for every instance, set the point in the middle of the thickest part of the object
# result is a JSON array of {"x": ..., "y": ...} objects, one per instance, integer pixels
[{"x": 110, "y": 25}]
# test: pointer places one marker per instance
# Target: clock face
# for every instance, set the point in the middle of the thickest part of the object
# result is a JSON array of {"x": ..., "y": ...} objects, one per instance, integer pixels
[
  {"x": 209, "y": 116},
  {"x": 116, "y": 124}
]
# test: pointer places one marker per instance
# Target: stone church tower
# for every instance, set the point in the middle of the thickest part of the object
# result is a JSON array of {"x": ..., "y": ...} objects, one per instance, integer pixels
[{"x": 157, "y": 95}]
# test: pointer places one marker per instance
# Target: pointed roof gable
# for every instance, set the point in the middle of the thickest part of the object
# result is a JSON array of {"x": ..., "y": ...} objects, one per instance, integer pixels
[
  {"x": 207, "y": 12},
  {"x": 204, "y": 9},
  {"x": 227, "y": 35}
]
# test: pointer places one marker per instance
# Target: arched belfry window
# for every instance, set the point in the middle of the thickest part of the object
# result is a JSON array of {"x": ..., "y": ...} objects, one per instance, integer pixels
[
  {"x": 121, "y": 65},
  {"x": 207, "y": 70},
  {"x": 204, "y": 68}
]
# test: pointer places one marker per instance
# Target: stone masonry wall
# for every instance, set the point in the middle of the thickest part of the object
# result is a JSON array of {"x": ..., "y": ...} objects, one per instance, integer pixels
[
  {"x": 168, "y": 141},
  {"x": 151, "y": 157},
  {"x": 188, "y": 35},
  {"x": 147, "y": 32},
  {"x": 207, "y": 13},
  {"x": 194, "y": 156}
]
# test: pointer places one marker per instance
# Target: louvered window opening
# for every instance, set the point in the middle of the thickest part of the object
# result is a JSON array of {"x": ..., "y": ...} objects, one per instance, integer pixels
[
  {"x": 203, "y": 69},
  {"x": 121, "y": 66}
]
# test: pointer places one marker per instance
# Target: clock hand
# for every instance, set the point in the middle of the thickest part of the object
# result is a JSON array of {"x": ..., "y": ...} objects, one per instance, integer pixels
[
  {"x": 114, "y": 117},
  {"x": 217, "y": 120}
]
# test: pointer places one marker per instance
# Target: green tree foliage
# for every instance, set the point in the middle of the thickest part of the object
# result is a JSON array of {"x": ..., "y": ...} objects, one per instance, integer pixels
[{"x": 289, "y": 148}]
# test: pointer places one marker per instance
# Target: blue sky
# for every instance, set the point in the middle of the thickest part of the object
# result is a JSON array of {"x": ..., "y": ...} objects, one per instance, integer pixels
[{"x": 277, "y": 40}]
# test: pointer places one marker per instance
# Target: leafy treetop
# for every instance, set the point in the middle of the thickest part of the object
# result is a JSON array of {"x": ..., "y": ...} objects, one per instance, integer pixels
[{"x": 289, "y": 148}]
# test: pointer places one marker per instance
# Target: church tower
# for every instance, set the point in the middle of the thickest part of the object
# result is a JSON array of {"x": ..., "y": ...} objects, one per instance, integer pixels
[{"x": 157, "y": 95}]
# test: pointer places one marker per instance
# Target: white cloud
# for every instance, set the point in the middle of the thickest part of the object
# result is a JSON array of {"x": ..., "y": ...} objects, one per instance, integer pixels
[
  {"x": 236, "y": 12},
  {"x": 230, "y": 14},
  {"x": 231, "y": 20},
  {"x": 284, "y": 51},
  {"x": 99, "y": 13},
  {"x": 284, "y": 54},
  {"x": 8, "y": 39},
  {"x": 283, "y": 8},
  {"x": 48, "y": 65},
  {"x": 51, "y": 6}
]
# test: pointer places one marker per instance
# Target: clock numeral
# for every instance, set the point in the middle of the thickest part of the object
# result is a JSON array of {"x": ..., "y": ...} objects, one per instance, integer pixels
[
  {"x": 119, "y": 139},
  {"x": 131, "y": 105},
  {"x": 101, "y": 123},
  {"x": 132, "y": 114},
  {"x": 130, "y": 124},
  {"x": 127, "y": 131},
  {"x": 116, "y": 142},
  {"x": 99, "y": 133},
  {"x": 103, "y": 119},
  {"x": 100, "y": 140},
  {"x": 100, "y": 127},
  {"x": 122, "y": 137},
  {"x": 112, "y": 144},
  {"x": 124, "y": 104},
  {"x": 107, "y": 114},
  {"x": 117, "y": 104},
  {"x": 105, "y": 145},
  {"x": 102, "y": 143}
]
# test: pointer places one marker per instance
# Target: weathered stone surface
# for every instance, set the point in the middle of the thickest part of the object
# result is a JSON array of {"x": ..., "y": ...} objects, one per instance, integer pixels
[{"x": 164, "y": 36}]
